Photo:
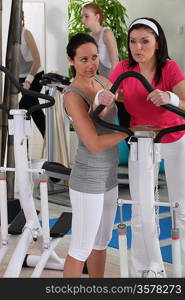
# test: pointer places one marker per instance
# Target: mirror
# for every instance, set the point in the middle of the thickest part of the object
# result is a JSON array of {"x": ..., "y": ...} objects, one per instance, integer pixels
[{"x": 35, "y": 22}]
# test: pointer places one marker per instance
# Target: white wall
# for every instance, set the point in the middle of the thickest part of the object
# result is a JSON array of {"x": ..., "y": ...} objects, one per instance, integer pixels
[
  {"x": 55, "y": 41},
  {"x": 50, "y": 30},
  {"x": 170, "y": 14},
  {"x": 56, "y": 29},
  {"x": 35, "y": 22},
  {"x": 6, "y": 5}
]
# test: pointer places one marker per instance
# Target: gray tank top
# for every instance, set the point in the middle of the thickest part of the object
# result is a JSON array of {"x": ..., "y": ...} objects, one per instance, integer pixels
[{"x": 94, "y": 173}]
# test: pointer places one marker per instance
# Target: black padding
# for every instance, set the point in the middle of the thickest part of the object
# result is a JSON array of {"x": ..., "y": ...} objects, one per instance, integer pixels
[
  {"x": 56, "y": 168},
  {"x": 14, "y": 208},
  {"x": 122, "y": 176},
  {"x": 18, "y": 223},
  {"x": 25, "y": 265},
  {"x": 62, "y": 226},
  {"x": 54, "y": 77}
]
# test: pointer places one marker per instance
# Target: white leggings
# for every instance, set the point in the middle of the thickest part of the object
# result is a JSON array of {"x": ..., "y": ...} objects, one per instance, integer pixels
[
  {"x": 92, "y": 221},
  {"x": 174, "y": 162}
]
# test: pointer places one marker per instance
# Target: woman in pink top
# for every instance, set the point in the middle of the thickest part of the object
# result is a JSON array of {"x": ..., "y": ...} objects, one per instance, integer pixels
[{"x": 148, "y": 55}]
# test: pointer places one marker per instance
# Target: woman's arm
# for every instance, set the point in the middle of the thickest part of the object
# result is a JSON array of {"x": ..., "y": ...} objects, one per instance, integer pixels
[
  {"x": 179, "y": 90},
  {"x": 77, "y": 109},
  {"x": 105, "y": 97},
  {"x": 159, "y": 97},
  {"x": 118, "y": 70},
  {"x": 111, "y": 44},
  {"x": 34, "y": 50}
]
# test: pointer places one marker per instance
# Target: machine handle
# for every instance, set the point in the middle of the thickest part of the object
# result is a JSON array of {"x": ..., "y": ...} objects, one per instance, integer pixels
[{"x": 149, "y": 88}]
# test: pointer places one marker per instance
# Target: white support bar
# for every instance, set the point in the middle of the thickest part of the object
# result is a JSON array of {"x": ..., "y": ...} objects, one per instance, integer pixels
[
  {"x": 2, "y": 169},
  {"x": 123, "y": 252},
  {"x": 3, "y": 209},
  {"x": 176, "y": 258},
  {"x": 44, "y": 210},
  {"x": 166, "y": 204}
]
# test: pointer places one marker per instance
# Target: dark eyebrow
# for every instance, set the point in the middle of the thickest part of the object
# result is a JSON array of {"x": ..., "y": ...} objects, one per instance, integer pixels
[{"x": 145, "y": 37}]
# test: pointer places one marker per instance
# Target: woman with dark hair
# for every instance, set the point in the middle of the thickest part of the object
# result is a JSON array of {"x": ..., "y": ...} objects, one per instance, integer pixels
[
  {"x": 148, "y": 55},
  {"x": 30, "y": 73},
  {"x": 93, "y": 180}
]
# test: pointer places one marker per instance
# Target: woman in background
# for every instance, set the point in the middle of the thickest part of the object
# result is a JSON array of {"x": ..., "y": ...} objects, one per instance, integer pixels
[
  {"x": 30, "y": 73},
  {"x": 93, "y": 18}
]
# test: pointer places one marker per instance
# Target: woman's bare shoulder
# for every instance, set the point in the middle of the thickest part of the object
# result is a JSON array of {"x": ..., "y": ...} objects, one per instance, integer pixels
[{"x": 102, "y": 78}]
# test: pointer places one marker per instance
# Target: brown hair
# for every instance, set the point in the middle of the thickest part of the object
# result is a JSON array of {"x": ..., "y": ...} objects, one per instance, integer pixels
[
  {"x": 76, "y": 41},
  {"x": 97, "y": 10}
]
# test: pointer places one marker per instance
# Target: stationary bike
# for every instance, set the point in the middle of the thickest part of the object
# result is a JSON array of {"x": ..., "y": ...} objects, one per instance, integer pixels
[
  {"x": 145, "y": 149},
  {"x": 26, "y": 225}
]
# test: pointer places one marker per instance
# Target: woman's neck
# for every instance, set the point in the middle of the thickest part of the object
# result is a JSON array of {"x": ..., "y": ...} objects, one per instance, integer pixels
[
  {"x": 147, "y": 67},
  {"x": 96, "y": 29},
  {"x": 84, "y": 82},
  {"x": 148, "y": 70}
]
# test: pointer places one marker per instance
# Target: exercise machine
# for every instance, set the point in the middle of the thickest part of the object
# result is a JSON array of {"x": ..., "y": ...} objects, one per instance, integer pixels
[
  {"x": 26, "y": 224},
  {"x": 145, "y": 149},
  {"x": 55, "y": 171}
]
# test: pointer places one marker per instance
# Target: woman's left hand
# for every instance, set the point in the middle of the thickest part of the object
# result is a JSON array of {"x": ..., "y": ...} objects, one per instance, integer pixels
[{"x": 158, "y": 97}]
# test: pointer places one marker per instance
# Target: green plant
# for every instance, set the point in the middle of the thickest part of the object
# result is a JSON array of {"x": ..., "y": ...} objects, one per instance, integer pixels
[{"x": 115, "y": 18}]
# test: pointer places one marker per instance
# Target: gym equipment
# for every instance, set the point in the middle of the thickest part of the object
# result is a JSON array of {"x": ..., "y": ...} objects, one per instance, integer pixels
[
  {"x": 54, "y": 170},
  {"x": 26, "y": 225},
  {"x": 145, "y": 149}
]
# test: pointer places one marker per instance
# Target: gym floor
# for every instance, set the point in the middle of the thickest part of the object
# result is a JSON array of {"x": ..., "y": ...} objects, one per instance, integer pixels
[{"x": 112, "y": 263}]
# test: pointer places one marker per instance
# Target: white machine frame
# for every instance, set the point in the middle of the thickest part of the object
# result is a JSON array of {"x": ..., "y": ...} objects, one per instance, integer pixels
[
  {"x": 147, "y": 153},
  {"x": 19, "y": 126},
  {"x": 32, "y": 231}
]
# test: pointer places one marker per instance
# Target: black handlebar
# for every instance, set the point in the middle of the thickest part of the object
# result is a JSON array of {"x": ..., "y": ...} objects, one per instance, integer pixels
[
  {"x": 149, "y": 88},
  {"x": 49, "y": 78},
  {"x": 27, "y": 92}
]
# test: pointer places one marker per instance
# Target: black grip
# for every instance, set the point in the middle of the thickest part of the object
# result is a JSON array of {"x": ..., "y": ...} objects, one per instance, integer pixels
[{"x": 131, "y": 74}]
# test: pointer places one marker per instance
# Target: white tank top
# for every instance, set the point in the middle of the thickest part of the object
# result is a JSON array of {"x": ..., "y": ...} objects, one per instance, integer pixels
[
  {"x": 25, "y": 50},
  {"x": 25, "y": 57},
  {"x": 103, "y": 53}
]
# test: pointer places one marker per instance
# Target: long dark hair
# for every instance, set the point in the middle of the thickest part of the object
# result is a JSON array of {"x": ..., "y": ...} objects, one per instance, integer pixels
[
  {"x": 161, "y": 52},
  {"x": 76, "y": 41}
]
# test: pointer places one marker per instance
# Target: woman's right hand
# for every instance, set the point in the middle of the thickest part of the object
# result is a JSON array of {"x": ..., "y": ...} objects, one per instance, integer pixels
[
  {"x": 26, "y": 85},
  {"x": 105, "y": 97}
]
